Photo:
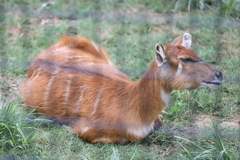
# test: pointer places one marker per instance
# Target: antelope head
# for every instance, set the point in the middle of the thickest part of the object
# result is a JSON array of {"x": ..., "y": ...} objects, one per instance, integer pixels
[{"x": 182, "y": 68}]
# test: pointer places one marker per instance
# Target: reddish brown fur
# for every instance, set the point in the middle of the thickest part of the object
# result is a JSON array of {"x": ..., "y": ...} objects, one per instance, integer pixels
[
  {"x": 74, "y": 46},
  {"x": 101, "y": 103}
]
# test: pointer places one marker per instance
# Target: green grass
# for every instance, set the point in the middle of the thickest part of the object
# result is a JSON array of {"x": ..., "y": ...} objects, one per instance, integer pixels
[
  {"x": 210, "y": 145},
  {"x": 16, "y": 128},
  {"x": 128, "y": 30}
]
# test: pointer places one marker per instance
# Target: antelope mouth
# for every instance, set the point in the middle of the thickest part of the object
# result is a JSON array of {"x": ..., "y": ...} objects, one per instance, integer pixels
[{"x": 210, "y": 84}]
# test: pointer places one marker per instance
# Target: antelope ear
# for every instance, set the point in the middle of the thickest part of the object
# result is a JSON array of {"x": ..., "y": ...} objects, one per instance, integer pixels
[
  {"x": 160, "y": 54},
  {"x": 185, "y": 40}
]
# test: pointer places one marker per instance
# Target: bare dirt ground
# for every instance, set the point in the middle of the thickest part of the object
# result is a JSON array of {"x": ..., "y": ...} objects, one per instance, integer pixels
[
  {"x": 206, "y": 120},
  {"x": 9, "y": 87}
]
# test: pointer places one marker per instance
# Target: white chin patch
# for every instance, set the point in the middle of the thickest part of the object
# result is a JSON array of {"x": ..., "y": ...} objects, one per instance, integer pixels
[{"x": 179, "y": 70}]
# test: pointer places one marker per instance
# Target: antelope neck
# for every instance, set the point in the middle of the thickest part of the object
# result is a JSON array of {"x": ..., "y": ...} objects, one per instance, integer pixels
[{"x": 153, "y": 95}]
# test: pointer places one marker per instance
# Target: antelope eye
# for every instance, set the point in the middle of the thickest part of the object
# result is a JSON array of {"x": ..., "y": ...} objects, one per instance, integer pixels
[{"x": 186, "y": 60}]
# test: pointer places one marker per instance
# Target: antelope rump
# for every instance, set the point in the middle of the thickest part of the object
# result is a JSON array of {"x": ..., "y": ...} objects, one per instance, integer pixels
[{"x": 74, "y": 82}]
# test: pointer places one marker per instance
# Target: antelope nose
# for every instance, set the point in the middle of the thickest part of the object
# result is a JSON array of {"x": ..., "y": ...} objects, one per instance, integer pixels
[{"x": 218, "y": 75}]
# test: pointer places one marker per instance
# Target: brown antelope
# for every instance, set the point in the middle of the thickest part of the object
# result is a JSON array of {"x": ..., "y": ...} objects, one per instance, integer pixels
[{"x": 74, "y": 82}]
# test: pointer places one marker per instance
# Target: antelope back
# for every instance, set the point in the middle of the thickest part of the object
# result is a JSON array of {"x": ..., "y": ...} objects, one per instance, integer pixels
[{"x": 73, "y": 50}]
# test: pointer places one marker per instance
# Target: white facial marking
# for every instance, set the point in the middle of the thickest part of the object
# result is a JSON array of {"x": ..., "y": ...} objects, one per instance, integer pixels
[
  {"x": 187, "y": 40},
  {"x": 141, "y": 130},
  {"x": 95, "y": 105},
  {"x": 95, "y": 46},
  {"x": 165, "y": 96},
  {"x": 179, "y": 69}
]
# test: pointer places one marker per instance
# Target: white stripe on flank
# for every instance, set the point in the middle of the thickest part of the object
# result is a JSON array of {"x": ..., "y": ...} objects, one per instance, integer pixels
[
  {"x": 58, "y": 50},
  {"x": 77, "y": 104},
  {"x": 80, "y": 58},
  {"x": 29, "y": 82},
  {"x": 48, "y": 87},
  {"x": 179, "y": 70},
  {"x": 34, "y": 76},
  {"x": 63, "y": 48},
  {"x": 67, "y": 90},
  {"x": 38, "y": 71},
  {"x": 76, "y": 56},
  {"x": 95, "y": 105}
]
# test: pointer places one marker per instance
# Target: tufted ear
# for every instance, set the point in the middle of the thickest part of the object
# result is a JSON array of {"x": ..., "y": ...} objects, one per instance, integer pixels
[
  {"x": 185, "y": 40},
  {"x": 160, "y": 54}
]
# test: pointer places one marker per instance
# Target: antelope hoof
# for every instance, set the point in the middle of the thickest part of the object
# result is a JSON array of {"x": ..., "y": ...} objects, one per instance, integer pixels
[{"x": 158, "y": 123}]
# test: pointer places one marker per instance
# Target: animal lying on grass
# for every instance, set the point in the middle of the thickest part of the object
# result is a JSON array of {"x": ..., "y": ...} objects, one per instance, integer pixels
[{"x": 75, "y": 82}]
